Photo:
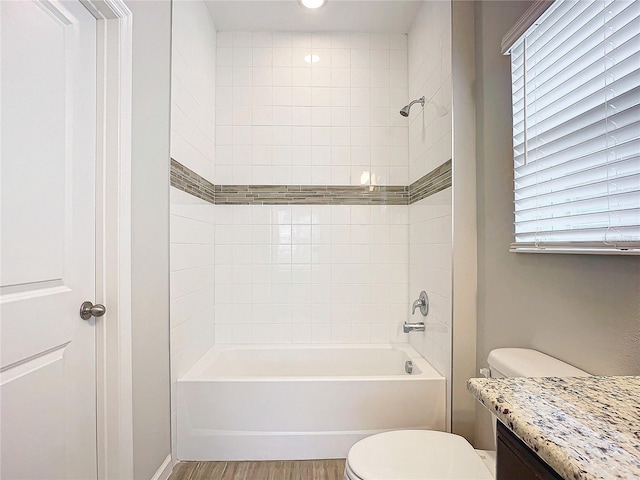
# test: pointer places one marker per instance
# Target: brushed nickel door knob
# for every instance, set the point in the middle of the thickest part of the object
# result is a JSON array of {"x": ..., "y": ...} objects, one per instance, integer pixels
[{"x": 88, "y": 310}]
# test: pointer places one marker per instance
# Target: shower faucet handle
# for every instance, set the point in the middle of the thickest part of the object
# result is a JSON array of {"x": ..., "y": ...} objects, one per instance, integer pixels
[{"x": 422, "y": 303}]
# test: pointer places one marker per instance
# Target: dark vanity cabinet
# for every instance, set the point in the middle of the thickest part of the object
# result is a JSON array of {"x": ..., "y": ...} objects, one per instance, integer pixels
[{"x": 516, "y": 461}]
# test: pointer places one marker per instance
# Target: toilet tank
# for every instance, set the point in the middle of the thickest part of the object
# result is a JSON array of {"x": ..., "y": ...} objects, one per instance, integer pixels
[{"x": 523, "y": 362}]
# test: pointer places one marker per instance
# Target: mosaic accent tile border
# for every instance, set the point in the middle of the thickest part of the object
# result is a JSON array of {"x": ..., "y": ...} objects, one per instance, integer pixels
[
  {"x": 435, "y": 181},
  {"x": 190, "y": 182},
  {"x": 310, "y": 195}
]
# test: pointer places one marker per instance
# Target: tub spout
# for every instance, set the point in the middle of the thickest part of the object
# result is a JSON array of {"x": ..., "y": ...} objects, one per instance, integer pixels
[{"x": 413, "y": 327}]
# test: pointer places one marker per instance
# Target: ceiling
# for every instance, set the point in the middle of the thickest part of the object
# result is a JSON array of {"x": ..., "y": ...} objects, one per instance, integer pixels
[{"x": 377, "y": 16}]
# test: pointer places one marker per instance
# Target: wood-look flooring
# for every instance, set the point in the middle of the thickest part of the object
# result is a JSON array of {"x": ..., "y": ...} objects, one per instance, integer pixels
[{"x": 266, "y": 470}]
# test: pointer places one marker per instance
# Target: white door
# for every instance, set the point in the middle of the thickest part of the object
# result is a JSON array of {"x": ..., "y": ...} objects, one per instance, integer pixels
[{"x": 47, "y": 240}]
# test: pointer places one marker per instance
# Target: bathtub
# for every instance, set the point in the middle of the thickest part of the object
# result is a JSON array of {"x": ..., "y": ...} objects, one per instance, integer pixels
[{"x": 302, "y": 402}]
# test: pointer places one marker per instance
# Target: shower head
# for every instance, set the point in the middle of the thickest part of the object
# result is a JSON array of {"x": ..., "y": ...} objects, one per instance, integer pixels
[{"x": 405, "y": 110}]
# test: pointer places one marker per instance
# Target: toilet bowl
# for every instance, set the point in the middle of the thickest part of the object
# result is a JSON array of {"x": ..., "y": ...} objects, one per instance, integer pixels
[
  {"x": 415, "y": 455},
  {"x": 431, "y": 455}
]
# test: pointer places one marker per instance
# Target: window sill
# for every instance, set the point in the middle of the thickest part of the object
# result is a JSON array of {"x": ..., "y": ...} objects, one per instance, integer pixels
[{"x": 575, "y": 250}]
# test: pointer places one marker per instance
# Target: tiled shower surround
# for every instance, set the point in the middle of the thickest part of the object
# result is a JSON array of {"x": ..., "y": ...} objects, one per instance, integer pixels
[
  {"x": 302, "y": 110},
  {"x": 310, "y": 274},
  {"x": 331, "y": 119},
  {"x": 296, "y": 216},
  {"x": 430, "y": 147}
]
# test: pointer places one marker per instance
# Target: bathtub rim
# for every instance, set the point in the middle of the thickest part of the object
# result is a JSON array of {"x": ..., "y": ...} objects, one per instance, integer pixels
[{"x": 195, "y": 373}]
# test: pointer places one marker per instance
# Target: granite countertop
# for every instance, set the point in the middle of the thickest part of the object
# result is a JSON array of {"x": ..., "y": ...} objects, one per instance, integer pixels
[{"x": 583, "y": 427}]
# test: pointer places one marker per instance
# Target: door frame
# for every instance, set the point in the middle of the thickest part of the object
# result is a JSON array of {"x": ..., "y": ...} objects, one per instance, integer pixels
[{"x": 114, "y": 380}]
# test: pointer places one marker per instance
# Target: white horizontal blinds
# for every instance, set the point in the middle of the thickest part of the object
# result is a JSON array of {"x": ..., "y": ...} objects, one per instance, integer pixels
[{"x": 576, "y": 127}]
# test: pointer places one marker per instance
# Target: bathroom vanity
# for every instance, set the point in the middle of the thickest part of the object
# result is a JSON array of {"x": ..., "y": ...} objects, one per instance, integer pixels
[
  {"x": 516, "y": 460},
  {"x": 564, "y": 428}
]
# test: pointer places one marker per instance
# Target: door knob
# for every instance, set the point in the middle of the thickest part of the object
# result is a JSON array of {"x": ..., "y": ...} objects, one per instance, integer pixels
[{"x": 88, "y": 310}]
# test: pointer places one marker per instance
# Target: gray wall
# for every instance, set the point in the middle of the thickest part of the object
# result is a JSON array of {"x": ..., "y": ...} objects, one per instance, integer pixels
[
  {"x": 464, "y": 306},
  {"x": 583, "y": 309},
  {"x": 150, "y": 235}
]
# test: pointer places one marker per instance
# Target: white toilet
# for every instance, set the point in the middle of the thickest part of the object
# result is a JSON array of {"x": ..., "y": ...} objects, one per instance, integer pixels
[{"x": 431, "y": 455}]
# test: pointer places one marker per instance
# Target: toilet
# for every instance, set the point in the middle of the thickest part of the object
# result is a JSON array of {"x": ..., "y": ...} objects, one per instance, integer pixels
[{"x": 433, "y": 455}]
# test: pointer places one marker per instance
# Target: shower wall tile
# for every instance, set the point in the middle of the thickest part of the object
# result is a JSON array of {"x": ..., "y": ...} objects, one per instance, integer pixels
[
  {"x": 192, "y": 312},
  {"x": 430, "y": 232},
  {"x": 282, "y": 120},
  {"x": 430, "y": 252},
  {"x": 193, "y": 117},
  {"x": 311, "y": 274},
  {"x": 430, "y": 76},
  {"x": 193, "y": 75}
]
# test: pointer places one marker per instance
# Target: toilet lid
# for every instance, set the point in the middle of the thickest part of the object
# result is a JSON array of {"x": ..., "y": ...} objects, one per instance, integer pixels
[{"x": 416, "y": 455}]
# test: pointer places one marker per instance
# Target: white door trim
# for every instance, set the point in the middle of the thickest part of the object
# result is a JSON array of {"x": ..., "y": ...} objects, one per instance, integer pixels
[{"x": 113, "y": 238}]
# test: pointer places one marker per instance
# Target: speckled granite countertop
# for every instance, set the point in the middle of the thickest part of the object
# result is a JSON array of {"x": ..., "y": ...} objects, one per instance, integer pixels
[{"x": 583, "y": 427}]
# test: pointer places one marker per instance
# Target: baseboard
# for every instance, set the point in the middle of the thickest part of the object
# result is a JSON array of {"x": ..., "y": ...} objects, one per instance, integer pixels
[{"x": 164, "y": 470}]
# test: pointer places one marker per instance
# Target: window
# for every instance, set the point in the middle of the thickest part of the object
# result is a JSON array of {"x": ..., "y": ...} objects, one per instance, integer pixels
[{"x": 576, "y": 129}]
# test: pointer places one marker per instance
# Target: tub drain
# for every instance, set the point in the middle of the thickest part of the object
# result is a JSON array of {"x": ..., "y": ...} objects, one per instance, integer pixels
[{"x": 408, "y": 366}]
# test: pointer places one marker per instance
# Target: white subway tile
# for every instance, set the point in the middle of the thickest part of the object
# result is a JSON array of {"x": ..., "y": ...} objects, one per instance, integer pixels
[
  {"x": 321, "y": 175},
  {"x": 340, "y": 97},
  {"x": 242, "y": 57},
  {"x": 224, "y": 57},
  {"x": 224, "y": 334},
  {"x": 262, "y": 57},
  {"x": 320, "y": 77},
  {"x": 224, "y": 117},
  {"x": 242, "y": 76},
  {"x": 281, "y": 135},
  {"x": 360, "y": 58},
  {"x": 360, "y": 97},
  {"x": 224, "y": 39},
  {"x": 360, "y": 40},
  {"x": 380, "y": 78},
  {"x": 281, "y": 39},
  {"x": 398, "y": 42},
  {"x": 398, "y": 59},
  {"x": 298, "y": 56},
  {"x": 321, "y": 136},
  {"x": 380, "y": 59},
  {"x": 321, "y": 116},
  {"x": 301, "y": 116},
  {"x": 301, "y": 175},
  {"x": 340, "y": 58},
  {"x": 323, "y": 60},
  {"x": 301, "y": 333},
  {"x": 282, "y": 77},
  {"x": 340, "y": 253},
  {"x": 282, "y": 96},
  {"x": 262, "y": 76},
  {"x": 379, "y": 41},
  {"x": 321, "y": 40},
  {"x": 242, "y": 39},
  {"x": 282, "y": 115},
  {"x": 301, "y": 40},
  {"x": 340, "y": 40},
  {"x": 321, "y": 333},
  {"x": 262, "y": 95},
  {"x": 262, "y": 39},
  {"x": 321, "y": 96},
  {"x": 300, "y": 96},
  {"x": 340, "y": 333},
  {"x": 360, "y": 78}
]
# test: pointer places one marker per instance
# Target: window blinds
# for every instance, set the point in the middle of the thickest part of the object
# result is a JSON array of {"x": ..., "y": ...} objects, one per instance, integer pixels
[{"x": 576, "y": 129}]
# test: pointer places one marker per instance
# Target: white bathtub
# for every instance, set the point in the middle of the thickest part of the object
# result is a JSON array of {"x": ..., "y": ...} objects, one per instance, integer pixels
[{"x": 302, "y": 402}]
